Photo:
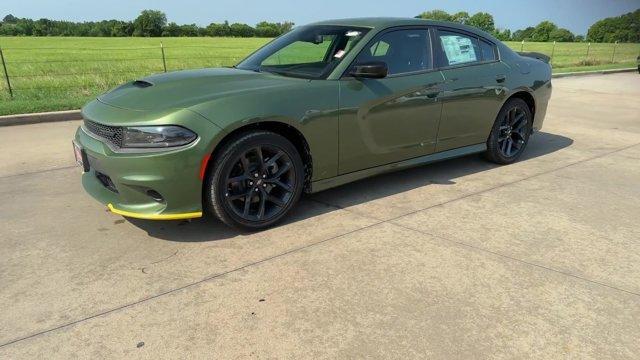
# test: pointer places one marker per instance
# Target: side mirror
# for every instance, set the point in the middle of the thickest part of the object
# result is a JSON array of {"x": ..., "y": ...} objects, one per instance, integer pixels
[{"x": 371, "y": 69}]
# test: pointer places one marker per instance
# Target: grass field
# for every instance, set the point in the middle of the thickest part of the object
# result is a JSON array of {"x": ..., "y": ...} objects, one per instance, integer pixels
[{"x": 63, "y": 73}]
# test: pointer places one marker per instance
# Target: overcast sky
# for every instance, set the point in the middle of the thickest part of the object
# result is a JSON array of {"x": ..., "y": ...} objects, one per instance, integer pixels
[{"x": 575, "y": 15}]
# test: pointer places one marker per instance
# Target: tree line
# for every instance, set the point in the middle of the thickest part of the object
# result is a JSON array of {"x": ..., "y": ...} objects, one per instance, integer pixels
[
  {"x": 623, "y": 28},
  {"x": 150, "y": 23}
]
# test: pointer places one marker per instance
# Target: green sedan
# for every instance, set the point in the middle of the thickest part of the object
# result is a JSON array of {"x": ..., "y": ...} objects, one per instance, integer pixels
[{"x": 323, "y": 105}]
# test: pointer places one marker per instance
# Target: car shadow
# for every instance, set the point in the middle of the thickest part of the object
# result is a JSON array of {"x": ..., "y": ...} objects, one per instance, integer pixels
[{"x": 445, "y": 172}]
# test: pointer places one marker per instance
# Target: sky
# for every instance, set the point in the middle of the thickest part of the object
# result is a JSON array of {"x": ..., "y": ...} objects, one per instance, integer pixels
[{"x": 575, "y": 15}]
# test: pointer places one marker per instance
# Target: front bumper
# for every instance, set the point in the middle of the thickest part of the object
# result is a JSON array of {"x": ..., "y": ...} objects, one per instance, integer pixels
[{"x": 129, "y": 182}]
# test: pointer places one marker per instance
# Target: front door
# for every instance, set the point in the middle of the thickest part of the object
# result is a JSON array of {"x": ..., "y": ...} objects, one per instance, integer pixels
[{"x": 394, "y": 118}]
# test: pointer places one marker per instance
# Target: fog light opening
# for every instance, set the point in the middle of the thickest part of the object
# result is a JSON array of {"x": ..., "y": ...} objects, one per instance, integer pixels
[{"x": 155, "y": 195}]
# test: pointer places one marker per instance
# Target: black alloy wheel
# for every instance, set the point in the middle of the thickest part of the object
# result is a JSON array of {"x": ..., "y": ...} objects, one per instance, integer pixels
[
  {"x": 260, "y": 183},
  {"x": 255, "y": 181},
  {"x": 510, "y": 133}
]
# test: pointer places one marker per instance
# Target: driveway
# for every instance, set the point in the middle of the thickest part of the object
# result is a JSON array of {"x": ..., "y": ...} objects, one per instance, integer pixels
[{"x": 460, "y": 259}]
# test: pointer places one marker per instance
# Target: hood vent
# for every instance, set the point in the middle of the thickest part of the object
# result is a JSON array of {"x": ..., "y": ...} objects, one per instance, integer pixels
[{"x": 142, "y": 83}]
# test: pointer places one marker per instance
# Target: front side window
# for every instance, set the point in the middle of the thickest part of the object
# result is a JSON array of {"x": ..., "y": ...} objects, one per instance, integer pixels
[
  {"x": 308, "y": 52},
  {"x": 459, "y": 48},
  {"x": 404, "y": 51}
]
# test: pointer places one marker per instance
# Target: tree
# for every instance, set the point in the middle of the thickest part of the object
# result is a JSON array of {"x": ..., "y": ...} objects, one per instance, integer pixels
[
  {"x": 172, "y": 29},
  {"x": 241, "y": 30},
  {"x": 524, "y": 34},
  {"x": 42, "y": 27},
  {"x": 543, "y": 30},
  {"x": 562, "y": 35},
  {"x": 461, "y": 17},
  {"x": 219, "y": 29},
  {"x": 439, "y": 15},
  {"x": 190, "y": 30},
  {"x": 8, "y": 29},
  {"x": 10, "y": 19},
  {"x": 267, "y": 29},
  {"x": 502, "y": 35},
  {"x": 483, "y": 21},
  {"x": 122, "y": 28},
  {"x": 579, "y": 38},
  {"x": 285, "y": 27},
  {"x": 623, "y": 28},
  {"x": 150, "y": 23}
]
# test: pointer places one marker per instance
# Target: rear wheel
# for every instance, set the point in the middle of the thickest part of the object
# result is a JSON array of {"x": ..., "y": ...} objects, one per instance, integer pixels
[
  {"x": 257, "y": 178},
  {"x": 510, "y": 133}
]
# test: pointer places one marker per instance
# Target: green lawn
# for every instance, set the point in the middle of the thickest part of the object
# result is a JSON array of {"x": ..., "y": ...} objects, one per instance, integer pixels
[{"x": 58, "y": 73}]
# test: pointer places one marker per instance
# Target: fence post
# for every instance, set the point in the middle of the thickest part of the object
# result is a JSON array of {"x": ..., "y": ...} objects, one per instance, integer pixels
[
  {"x": 164, "y": 61},
  {"x": 588, "y": 48},
  {"x": 613, "y": 56},
  {"x": 6, "y": 74},
  {"x": 522, "y": 45},
  {"x": 553, "y": 50}
]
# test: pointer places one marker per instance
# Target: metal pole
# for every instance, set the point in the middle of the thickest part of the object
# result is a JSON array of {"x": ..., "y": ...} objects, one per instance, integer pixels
[
  {"x": 553, "y": 50},
  {"x": 6, "y": 74},
  {"x": 522, "y": 45},
  {"x": 613, "y": 56},
  {"x": 588, "y": 48},
  {"x": 164, "y": 61}
]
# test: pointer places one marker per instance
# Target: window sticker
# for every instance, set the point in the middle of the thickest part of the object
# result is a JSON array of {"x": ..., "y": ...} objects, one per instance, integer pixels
[
  {"x": 339, "y": 54},
  {"x": 353, "y": 33},
  {"x": 459, "y": 49}
]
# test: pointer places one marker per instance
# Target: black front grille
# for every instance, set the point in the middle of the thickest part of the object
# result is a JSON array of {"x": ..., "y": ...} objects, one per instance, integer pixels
[{"x": 112, "y": 134}]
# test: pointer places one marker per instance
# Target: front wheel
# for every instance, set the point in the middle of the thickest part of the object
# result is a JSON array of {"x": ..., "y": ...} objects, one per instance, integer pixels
[
  {"x": 255, "y": 180},
  {"x": 510, "y": 133}
]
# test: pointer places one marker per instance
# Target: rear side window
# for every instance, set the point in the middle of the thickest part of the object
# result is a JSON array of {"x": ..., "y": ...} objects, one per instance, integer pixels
[
  {"x": 459, "y": 48},
  {"x": 404, "y": 51},
  {"x": 488, "y": 51}
]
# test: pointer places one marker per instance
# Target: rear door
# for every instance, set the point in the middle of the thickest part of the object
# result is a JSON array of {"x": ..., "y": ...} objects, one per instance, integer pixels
[
  {"x": 473, "y": 90},
  {"x": 395, "y": 118}
]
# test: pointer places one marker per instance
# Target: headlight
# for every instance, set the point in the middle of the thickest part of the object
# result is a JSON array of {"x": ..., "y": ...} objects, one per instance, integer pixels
[{"x": 156, "y": 136}]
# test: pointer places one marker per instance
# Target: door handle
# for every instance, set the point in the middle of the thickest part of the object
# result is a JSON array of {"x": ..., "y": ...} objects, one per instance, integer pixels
[{"x": 501, "y": 78}]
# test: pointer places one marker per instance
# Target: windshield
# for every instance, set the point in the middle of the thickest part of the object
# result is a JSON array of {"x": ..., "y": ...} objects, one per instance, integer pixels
[{"x": 310, "y": 52}]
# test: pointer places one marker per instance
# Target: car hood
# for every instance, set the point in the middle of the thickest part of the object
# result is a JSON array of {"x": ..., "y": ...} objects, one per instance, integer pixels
[{"x": 182, "y": 89}]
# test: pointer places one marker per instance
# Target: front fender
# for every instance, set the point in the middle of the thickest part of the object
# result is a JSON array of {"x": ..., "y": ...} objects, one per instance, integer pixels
[{"x": 310, "y": 106}]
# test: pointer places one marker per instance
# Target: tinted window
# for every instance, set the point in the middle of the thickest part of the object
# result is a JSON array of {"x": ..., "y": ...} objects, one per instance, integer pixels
[
  {"x": 459, "y": 48},
  {"x": 307, "y": 52},
  {"x": 403, "y": 51},
  {"x": 488, "y": 53},
  {"x": 301, "y": 52}
]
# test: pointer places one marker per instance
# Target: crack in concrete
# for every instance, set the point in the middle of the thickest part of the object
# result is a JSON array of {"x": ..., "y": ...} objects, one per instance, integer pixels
[
  {"x": 39, "y": 171},
  {"x": 481, "y": 249},
  {"x": 144, "y": 268},
  {"x": 297, "y": 249}
]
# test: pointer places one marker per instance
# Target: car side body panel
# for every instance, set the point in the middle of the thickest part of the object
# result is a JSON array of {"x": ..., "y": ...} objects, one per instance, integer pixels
[
  {"x": 388, "y": 120},
  {"x": 471, "y": 100},
  {"x": 354, "y": 128},
  {"x": 310, "y": 106}
]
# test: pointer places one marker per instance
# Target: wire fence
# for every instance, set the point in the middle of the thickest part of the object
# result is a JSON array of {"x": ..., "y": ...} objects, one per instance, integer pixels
[
  {"x": 57, "y": 72},
  {"x": 583, "y": 54}
]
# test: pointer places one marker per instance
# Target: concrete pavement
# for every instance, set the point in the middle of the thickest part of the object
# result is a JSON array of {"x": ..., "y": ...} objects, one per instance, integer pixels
[{"x": 458, "y": 259}]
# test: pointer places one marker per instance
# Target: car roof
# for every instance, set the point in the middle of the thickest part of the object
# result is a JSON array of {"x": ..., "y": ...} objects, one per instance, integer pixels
[{"x": 380, "y": 23}]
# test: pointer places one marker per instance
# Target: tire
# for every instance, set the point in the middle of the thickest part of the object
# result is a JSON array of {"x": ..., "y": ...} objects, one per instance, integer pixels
[
  {"x": 255, "y": 180},
  {"x": 512, "y": 125}
]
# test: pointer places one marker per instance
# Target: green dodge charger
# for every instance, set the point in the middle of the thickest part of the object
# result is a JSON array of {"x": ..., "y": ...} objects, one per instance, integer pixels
[{"x": 323, "y": 105}]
